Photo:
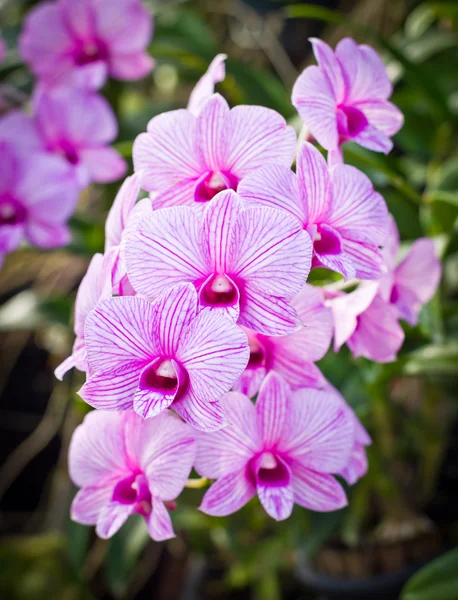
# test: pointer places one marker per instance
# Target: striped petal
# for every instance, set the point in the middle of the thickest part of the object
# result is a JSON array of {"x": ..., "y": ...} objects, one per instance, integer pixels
[
  {"x": 165, "y": 250},
  {"x": 212, "y": 132},
  {"x": 314, "y": 183},
  {"x": 271, "y": 408},
  {"x": 317, "y": 491},
  {"x": 218, "y": 225},
  {"x": 228, "y": 495},
  {"x": 159, "y": 522}
]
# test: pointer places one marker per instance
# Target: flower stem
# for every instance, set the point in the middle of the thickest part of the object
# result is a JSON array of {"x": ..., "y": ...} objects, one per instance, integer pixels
[{"x": 197, "y": 483}]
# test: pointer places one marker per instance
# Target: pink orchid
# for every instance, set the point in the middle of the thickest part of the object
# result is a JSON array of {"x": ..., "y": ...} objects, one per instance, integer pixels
[
  {"x": 413, "y": 281},
  {"x": 292, "y": 356},
  {"x": 90, "y": 40},
  {"x": 205, "y": 87},
  {"x": 189, "y": 159},
  {"x": 284, "y": 449},
  {"x": 357, "y": 465},
  {"x": 248, "y": 262},
  {"x": 346, "y": 219},
  {"x": 122, "y": 219},
  {"x": 345, "y": 98},
  {"x": 150, "y": 357},
  {"x": 76, "y": 125},
  {"x": 37, "y": 197},
  {"x": 125, "y": 465},
  {"x": 95, "y": 285},
  {"x": 366, "y": 323}
]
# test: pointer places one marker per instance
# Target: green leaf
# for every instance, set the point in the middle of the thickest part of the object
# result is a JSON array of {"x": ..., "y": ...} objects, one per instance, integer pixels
[
  {"x": 437, "y": 581},
  {"x": 435, "y": 359},
  {"x": 124, "y": 550}
]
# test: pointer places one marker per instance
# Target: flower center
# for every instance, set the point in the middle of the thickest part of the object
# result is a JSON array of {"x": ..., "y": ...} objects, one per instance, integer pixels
[
  {"x": 161, "y": 375},
  {"x": 219, "y": 291},
  {"x": 134, "y": 490},
  {"x": 269, "y": 469},
  {"x": 326, "y": 240},
  {"x": 11, "y": 212},
  {"x": 350, "y": 121},
  {"x": 213, "y": 182},
  {"x": 257, "y": 353},
  {"x": 91, "y": 51}
]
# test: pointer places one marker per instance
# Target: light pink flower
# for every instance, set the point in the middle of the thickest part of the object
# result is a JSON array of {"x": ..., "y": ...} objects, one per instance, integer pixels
[
  {"x": 366, "y": 323},
  {"x": 292, "y": 356},
  {"x": 248, "y": 262},
  {"x": 345, "y": 97},
  {"x": 346, "y": 219},
  {"x": 77, "y": 125},
  {"x": 125, "y": 465},
  {"x": 284, "y": 449},
  {"x": 189, "y": 159},
  {"x": 90, "y": 40},
  {"x": 205, "y": 87},
  {"x": 37, "y": 197},
  {"x": 122, "y": 219},
  {"x": 150, "y": 357},
  {"x": 357, "y": 465},
  {"x": 95, "y": 285},
  {"x": 412, "y": 282}
]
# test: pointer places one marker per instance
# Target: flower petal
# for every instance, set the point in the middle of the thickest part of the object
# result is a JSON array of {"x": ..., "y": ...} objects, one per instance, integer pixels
[
  {"x": 168, "y": 153},
  {"x": 373, "y": 139},
  {"x": 383, "y": 115},
  {"x": 230, "y": 448},
  {"x": 278, "y": 502},
  {"x": 204, "y": 88},
  {"x": 214, "y": 351},
  {"x": 120, "y": 210},
  {"x": 358, "y": 212},
  {"x": 314, "y": 340},
  {"x": 271, "y": 408},
  {"x": 271, "y": 251},
  {"x": 267, "y": 314},
  {"x": 218, "y": 228},
  {"x": 120, "y": 331},
  {"x": 164, "y": 448},
  {"x": 317, "y": 491},
  {"x": 274, "y": 186},
  {"x": 97, "y": 451},
  {"x": 111, "y": 518},
  {"x": 89, "y": 501},
  {"x": 131, "y": 67},
  {"x": 228, "y": 494},
  {"x": 319, "y": 431},
  {"x": 175, "y": 312},
  {"x": 202, "y": 415},
  {"x": 159, "y": 522},
  {"x": 212, "y": 132},
  {"x": 330, "y": 66},
  {"x": 366, "y": 259},
  {"x": 314, "y": 100},
  {"x": 103, "y": 164},
  {"x": 314, "y": 183},
  {"x": 258, "y": 136},
  {"x": 165, "y": 250},
  {"x": 112, "y": 389}
]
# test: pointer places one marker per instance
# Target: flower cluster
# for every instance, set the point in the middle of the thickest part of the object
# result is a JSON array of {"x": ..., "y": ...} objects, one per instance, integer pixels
[
  {"x": 200, "y": 304},
  {"x": 64, "y": 146}
]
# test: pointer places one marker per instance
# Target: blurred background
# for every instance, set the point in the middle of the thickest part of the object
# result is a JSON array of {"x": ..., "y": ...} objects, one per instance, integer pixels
[{"x": 403, "y": 516}]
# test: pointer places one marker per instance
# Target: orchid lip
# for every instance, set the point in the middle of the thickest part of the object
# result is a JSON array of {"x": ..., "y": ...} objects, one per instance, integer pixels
[
  {"x": 326, "y": 240},
  {"x": 213, "y": 182},
  {"x": 219, "y": 290},
  {"x": 269, "y": 469},
  {"x": 11, "y": 212},
  {"x": 258, "y": 353},
  {"x": 134, "y": 490},
  {"x": 351, "y": 122}
]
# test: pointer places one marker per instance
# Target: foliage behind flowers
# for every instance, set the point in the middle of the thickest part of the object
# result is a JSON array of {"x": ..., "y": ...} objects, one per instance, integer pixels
[{"x": 226, "y": 279}]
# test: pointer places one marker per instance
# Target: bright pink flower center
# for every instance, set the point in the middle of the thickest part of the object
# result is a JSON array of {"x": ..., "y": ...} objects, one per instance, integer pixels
[
  {"x": 258, "y": 353},
  {"x": 326, "y": 240},
  {"x": 219, "y": 291},
  {"x": 213, "y": 182},
  {"x": 350, "y": 121},
  {"x": 134, "y": 490},
  {"x": 269, "y": 469},
  {"x": 161, "y": 375},
  {"x": 89, "y": 51},
  {"x": 11, "y": 211}
]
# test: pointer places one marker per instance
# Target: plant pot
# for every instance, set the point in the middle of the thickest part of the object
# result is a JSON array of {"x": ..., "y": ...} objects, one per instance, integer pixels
[{"x": 370, "y": 571}]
